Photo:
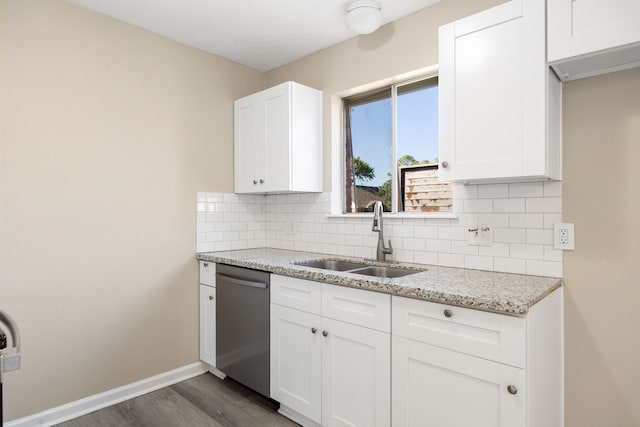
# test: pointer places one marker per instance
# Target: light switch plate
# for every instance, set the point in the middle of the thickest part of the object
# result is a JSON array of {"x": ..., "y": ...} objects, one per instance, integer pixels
[{"x": 479, "y": 235}]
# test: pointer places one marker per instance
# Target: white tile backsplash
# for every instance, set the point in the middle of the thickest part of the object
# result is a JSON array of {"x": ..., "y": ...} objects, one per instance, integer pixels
[
  {"x": 553, "y": 189},
  {"x": 544, "y": 204},
  {"x": 478, "y": 206},
  {"x": 227, "y": 221},
  {"x": 521, "y": 215},
  {"x": 461, "y": 247},
  {"x": 510, "y": 265},
  {"x": 493, "y": 220},
  {"x": 478, "y": 262},
  {"x": 493, "y": 191},
  {"x": 512, "y": 205},
  {"x": 527, "y": 221},
  {"x": 526, "y": 189},
  {"x": 448, "y": 260},
  {"x": 525, "y": 251},
  {"x": 544, "y": 268},
  {"x": 540, "y": 237},
  {"x": 510, "y": 235}
]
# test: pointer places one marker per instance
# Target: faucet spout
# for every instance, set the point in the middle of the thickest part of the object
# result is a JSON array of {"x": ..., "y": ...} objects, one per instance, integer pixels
[{"x": 377, "y": 226}]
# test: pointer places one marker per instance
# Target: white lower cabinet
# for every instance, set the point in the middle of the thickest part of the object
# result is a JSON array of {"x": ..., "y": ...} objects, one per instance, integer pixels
[
  {"x": 348, "y": 357},
  {"x": 208, "y": 312},
  {"x": 326, "y": 371},
  {"x": 208, "y": 324},
  {"x": 208, "y": 303},
  {"x": 440, "y": 387},
  {"x": 458, "y": 367}
]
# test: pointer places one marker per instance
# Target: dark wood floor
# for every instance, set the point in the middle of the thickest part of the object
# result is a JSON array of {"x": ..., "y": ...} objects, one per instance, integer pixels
[{"x": 204, "y": 400}]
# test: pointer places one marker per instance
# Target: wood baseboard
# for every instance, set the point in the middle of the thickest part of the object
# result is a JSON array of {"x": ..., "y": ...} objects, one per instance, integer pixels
[{"x": 89, "y": 404}]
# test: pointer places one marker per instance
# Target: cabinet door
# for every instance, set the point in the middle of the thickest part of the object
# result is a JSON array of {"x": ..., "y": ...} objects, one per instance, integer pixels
[
  {"x": 277, "y": 154},
  {"x": 249, "y": 143},
  {"x": 306, "y": 138},
  {"x": 355, "y": 376},
  {"x": 493, "y": 94},
  {"x": 439, "y": 387},
  {"x": 296, "y": 360},
  {"x": 579, "y": 27},
  {"x": 208, "y": 325}
]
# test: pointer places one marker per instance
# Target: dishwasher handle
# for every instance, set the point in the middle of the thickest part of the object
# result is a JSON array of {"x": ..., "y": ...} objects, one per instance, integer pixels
[{"x": 242, "y": 282}]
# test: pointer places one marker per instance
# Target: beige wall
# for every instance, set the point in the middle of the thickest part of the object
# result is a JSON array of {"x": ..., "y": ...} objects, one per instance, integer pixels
[
  {"x": 402, "y": 46},
  {"x": 602, "y": 130},
  {"x": 107, "y": 133},
  {"x": 602, "y": 198}
]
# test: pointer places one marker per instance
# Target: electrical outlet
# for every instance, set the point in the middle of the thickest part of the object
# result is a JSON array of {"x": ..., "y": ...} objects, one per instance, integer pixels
[{"x": 563, "y": 236}]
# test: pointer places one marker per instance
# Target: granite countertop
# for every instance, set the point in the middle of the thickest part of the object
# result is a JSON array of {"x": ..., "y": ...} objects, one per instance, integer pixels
[{"x": 503, "y": 293}]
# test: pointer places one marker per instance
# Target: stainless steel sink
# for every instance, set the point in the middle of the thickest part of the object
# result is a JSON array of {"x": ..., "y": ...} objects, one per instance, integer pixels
[
  {"x": 365, "y": 269},
  {"x": 332, "y": 264},
  {"x": 381, "y": 271}
]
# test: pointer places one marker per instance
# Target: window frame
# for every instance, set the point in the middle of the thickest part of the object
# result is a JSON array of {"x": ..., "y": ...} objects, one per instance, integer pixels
[{"x": 338, "y": 197}]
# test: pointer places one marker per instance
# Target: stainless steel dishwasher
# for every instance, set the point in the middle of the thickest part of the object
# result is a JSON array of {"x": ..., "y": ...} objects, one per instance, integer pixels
[{"x": 242, "y": 326}]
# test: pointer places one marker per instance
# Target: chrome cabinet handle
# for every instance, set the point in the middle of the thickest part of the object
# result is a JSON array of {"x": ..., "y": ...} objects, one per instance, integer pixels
[
  {"x": 262, "y": 181},
  {"x": 448, "y": 313},
  {"x": 512, "y": 389},
  {"x": 314, "y": 330},
  {"x": 325, "y": 333},
  {"x": 255, "y": 182},
  {"x": 445, "y": 164}
]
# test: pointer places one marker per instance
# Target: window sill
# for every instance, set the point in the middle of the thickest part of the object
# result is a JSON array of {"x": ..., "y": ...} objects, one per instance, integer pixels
[{"x": 398, "y": 215}]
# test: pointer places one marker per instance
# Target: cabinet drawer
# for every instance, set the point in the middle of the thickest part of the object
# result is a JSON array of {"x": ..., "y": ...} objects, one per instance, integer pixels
[
  {"x": 300, "y": 294},
  {"x": 356, "y": 306},
  {"x": 488, "y": 335},
  {"x": 207, "y": 273}
]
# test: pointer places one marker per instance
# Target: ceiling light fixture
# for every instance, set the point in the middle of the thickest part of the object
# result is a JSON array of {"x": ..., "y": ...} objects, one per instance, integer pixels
[{"x": 364, "y": 16}]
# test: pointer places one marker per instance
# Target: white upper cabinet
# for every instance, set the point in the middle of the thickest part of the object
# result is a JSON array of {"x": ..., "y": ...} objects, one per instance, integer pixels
[
  {"x": 590, "y": 37},
  {"x": 278, "y": 140},
  {"x": 500, "y": 104}
]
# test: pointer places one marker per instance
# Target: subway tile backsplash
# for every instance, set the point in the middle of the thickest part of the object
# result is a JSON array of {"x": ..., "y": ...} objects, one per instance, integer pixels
[
  {"x": 521, "y": 216},
  {"x": 229, "y": 221}
]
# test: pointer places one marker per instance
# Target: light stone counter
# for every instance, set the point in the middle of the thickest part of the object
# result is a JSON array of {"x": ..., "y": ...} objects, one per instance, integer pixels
[{"x": 504, "y": 293}]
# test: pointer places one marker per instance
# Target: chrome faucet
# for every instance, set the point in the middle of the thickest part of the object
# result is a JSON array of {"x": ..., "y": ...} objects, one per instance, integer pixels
[{"x": 377, "y": 226}]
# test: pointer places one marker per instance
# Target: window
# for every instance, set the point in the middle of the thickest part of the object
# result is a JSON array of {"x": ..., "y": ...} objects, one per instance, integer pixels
[{"x": 394, "y": 125}]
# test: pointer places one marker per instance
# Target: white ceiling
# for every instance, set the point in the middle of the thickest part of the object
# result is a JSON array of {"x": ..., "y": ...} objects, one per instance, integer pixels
[{"x": 261, "y": 34}]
